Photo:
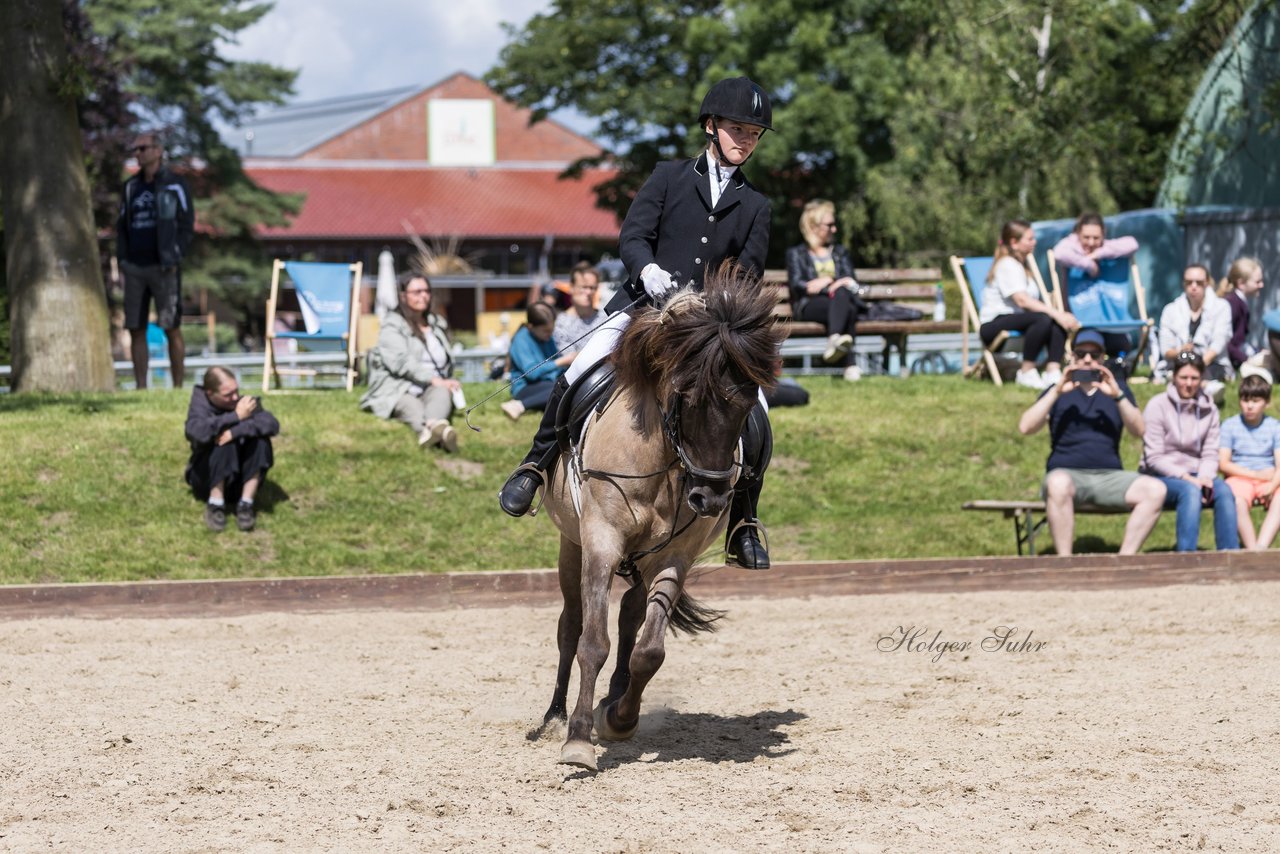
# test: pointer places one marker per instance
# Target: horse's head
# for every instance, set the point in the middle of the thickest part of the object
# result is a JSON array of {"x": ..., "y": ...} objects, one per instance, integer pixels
[{"x": 703, "y": 357}]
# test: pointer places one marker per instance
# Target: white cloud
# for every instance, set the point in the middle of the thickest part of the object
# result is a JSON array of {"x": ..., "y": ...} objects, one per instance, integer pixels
[{"x": 344, "y": 47}]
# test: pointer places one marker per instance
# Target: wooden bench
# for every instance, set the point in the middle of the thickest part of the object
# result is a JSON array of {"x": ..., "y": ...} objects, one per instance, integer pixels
[
  {"x": 1023, "y": 514},
  {"x": 916, "y": 288}
]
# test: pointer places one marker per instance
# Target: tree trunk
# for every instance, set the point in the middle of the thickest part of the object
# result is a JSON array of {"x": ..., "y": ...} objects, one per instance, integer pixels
[{"x": 57, "y": 305}]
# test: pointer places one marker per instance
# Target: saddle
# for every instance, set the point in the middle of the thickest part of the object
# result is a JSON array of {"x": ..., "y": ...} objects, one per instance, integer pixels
[{"x": 590, "y": 392}]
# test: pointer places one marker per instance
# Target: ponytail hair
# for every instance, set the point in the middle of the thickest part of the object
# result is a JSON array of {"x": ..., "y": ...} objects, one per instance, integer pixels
[
  {"x": 1009, "y": 232},
  {"x": 1241, "y": 270}
]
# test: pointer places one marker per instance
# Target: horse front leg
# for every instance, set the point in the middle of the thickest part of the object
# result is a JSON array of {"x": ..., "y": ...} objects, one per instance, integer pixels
[
  {"x": 618, "y": 721},
  {"x": 593, "y": 650},
  {"x": 567, "y": 631},
  {"x": 630, "y": 616}
]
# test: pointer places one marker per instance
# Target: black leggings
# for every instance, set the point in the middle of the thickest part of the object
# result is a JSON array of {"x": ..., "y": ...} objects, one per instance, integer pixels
[
  {"x": 839, "y": 313},
  {"x": 230, "y": 464},
  {"x": 1038, "y": 331}
]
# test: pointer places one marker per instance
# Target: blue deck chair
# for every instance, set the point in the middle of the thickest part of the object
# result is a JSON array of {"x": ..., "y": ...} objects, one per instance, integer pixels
[
  {"x": 329, "y": 297},
  {"x": 971, "y": 275},
  {"x": 1102, "y": 302}
]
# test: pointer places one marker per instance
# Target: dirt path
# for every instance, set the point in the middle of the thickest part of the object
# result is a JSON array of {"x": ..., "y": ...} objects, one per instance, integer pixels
[{"x": 1150, "y": 719}]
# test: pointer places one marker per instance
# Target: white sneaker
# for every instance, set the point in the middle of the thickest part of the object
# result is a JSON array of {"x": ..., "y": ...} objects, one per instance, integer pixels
[
  {"x": 1030, "y": 378},
  {"x": 852, "y": 373},
  {"x": 513, "y": 408},
  {"x": 838, "y": 346},
  {"x": 1052, "y": 378},
  {"x": 1216, "y": 390}
]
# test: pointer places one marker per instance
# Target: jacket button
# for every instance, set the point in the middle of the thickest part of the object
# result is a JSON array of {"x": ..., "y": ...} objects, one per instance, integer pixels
[
  {"x": 704, "y": 240},
  {"x": 697, "y": 260},
  {"x": 711, "y": 219}
]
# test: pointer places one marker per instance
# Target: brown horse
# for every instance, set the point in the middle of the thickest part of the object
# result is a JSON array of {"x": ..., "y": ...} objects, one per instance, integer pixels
[{"x": 653, "y": 478}]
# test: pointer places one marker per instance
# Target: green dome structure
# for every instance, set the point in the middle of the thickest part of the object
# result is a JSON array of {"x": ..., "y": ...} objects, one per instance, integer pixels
[{"x": 1229, "y": 142}]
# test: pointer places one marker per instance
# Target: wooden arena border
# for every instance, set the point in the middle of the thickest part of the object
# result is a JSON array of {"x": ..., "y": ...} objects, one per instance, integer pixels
[{"x": 539, "y": 587}]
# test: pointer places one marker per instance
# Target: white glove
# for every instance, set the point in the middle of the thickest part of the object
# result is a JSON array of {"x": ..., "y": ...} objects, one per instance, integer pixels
[{"x": 657, "y": 282}]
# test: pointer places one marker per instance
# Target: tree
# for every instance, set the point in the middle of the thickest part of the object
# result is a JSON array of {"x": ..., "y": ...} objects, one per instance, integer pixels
[
  {"x": 926, "y": 124},
  {"x": 57, "y": 306}
]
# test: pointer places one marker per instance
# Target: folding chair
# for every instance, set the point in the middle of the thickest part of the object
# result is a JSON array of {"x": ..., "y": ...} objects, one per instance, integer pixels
[
  {"x": 329, "y": 297},
  {"x": 971, "y": 275},
  {"x": 1102, "y": 302}
]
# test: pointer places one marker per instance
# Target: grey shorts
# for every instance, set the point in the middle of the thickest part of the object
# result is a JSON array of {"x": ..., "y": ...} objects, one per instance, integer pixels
[
  {"x": 144, "y": 284},
  {"x": 1098, "y": 487}
]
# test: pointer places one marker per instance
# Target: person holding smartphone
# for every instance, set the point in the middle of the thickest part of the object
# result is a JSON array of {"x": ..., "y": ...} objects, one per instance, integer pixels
[
  {"x": 1088, "y": 410},
  {"x": 1181, "y": 448}
]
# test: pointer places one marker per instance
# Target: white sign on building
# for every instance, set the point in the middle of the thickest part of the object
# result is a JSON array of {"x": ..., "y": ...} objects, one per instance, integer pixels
[{"x": 460, "y": 132}]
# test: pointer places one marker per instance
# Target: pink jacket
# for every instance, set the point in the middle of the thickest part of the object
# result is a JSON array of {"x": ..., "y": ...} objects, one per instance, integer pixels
[
  {"x": 1069, "y": 251},
  {"x": 1181, "y": 436}
]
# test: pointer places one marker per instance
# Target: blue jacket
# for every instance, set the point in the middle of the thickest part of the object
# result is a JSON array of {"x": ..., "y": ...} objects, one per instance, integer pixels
[{"x": 527, "y": 351}]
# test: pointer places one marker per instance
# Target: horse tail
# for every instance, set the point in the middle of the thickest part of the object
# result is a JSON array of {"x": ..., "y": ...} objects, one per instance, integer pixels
[{"x": 691, "y": 616}]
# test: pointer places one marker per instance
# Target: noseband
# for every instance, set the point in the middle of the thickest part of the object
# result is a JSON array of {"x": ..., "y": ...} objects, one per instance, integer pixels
[{"x": 671, "y": 428}]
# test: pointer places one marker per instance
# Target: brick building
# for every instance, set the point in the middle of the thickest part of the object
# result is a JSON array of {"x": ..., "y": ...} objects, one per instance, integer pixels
[{"x": 452, "y": 163}]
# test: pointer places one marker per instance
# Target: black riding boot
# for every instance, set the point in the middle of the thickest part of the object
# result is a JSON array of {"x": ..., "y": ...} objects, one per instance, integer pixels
[
  {"x": 518, "y": 492},
  {"x": 744, "y": 547}
]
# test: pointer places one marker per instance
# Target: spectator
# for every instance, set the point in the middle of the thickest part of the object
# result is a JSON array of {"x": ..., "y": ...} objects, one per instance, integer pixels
[
  {"x": 1197, "y": 322},
  {"x": 533, "y": 362},
  {"x": 230, "y": 440},
  {"x": 1011, "y": 301},
  {"x": 1242, "y": 281},
  {"x": 820, "y": 277},
  {"x": 411, "y": 371},
  {"x": 1086, "y": 245},
  {"x": 153, "y": 232},
  {"x": 1082, "y": 249},
  {"x": 1180, "y": 447},
  {"x": 1250, "y": 458},
  {"x": 1087, "y": 411},
  {"x": 583, "y": 316}
]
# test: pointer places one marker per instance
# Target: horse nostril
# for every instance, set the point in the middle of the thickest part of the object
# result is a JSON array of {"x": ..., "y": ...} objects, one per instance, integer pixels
[{"x": 697, "y": 502}]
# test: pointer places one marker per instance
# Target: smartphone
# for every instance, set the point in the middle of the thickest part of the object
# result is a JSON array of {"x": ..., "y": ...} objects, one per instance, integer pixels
[{"x": 1086, "y": 375}]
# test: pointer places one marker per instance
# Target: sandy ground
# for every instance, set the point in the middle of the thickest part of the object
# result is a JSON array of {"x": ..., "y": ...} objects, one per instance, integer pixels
[{"x": 1148, "y": 720}]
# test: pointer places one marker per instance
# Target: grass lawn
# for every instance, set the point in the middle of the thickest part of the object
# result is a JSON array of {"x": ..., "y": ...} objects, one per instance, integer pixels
[{"x": 91, "y": 486}]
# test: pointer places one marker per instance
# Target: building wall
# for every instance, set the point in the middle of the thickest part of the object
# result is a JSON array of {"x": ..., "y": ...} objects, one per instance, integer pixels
[{"x": 401, "y": 132}]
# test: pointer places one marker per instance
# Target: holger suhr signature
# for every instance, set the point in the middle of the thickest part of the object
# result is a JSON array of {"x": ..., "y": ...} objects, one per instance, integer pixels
[{"x": 912, "y": 639}]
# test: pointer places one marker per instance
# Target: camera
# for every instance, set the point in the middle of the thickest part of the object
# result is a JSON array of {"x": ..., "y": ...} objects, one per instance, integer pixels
[{"x": 1086, "y": 375}]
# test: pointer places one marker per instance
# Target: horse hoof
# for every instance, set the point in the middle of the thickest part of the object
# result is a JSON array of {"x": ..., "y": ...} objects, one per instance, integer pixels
[
  {"x": 607, "y": 726},
  {"x": 579, "y": 753}
]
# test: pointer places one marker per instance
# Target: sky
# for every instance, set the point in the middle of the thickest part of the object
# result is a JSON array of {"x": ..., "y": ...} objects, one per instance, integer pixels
[{"x": 346, "y": 48}]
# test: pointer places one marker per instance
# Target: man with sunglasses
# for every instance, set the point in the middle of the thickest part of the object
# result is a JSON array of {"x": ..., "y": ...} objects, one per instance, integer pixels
[
  {"x": 153, "y": 232},
  {"x": 1087, "y": 411}
]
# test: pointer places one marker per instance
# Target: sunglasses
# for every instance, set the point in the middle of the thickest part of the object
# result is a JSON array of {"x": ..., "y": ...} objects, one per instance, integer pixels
[
  {"x": 1092, "y": 354},
  {"x": 1200, "y": 282},
  {"x": 138, "y": 148},
  {"x": 1187, "y": 357}
]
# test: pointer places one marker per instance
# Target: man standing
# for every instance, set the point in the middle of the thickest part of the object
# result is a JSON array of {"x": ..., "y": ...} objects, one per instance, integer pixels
[
  {"x": 1087, "y": 411},
  {"x": 152, "y": 235}
]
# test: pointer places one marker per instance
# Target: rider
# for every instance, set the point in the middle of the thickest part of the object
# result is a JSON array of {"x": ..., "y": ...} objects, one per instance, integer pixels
[{"x": 687, "y": 218}]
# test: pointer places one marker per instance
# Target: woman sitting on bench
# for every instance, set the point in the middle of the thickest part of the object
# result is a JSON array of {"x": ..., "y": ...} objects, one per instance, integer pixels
[{"x": 820, "y": 278}]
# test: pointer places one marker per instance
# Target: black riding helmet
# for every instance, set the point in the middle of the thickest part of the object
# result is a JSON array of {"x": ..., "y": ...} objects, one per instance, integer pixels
[
  {"x": 739, "y": 99},
  {"x": 734, "y": 99}
]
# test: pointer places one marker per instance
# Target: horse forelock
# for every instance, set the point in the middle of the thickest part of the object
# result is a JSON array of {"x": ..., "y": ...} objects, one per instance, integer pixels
[{"x": 703, "y": 344}]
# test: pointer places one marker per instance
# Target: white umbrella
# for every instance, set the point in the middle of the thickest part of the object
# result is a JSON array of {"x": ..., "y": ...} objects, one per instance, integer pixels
[{"x": 386, "y": 297}]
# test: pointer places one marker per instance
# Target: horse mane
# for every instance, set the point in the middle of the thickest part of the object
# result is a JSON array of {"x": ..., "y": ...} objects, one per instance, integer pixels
[{"x": 696, "y": 339}]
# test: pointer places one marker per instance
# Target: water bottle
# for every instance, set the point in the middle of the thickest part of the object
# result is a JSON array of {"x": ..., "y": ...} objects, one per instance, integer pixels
[
  {"x": 939, "y": 305},
  {"x": 459, "y": 399}
]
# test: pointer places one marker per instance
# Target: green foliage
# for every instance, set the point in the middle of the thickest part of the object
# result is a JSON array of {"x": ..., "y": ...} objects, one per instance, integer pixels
[
  {"x": 927, "y": 125},
  {"x": 91, "y": 486}
]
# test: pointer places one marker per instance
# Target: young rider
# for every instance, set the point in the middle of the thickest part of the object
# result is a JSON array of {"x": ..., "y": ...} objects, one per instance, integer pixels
[{"x": 687, "y": 218}]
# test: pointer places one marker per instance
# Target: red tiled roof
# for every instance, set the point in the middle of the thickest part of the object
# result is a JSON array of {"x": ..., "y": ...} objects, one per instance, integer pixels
[{"x": 489, "y": 202}]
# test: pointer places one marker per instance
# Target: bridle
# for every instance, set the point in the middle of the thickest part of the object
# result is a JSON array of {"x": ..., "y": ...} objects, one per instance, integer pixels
[{"x": 671, "y": 429}]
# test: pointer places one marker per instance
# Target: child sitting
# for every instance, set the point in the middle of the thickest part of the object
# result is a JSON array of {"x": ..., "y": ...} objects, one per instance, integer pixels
[{"x": 1249, "y": 456}]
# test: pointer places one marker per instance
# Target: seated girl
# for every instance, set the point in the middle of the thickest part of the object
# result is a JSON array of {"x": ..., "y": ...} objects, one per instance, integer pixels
[
  {"x": 1011, "y": 301},
  {"x": 533, "y": 370},
  {"x": 820, "y": 278}
]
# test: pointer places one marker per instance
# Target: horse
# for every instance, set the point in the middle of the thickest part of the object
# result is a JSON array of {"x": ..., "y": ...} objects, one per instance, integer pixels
[{"x": 648, "y": 489}]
